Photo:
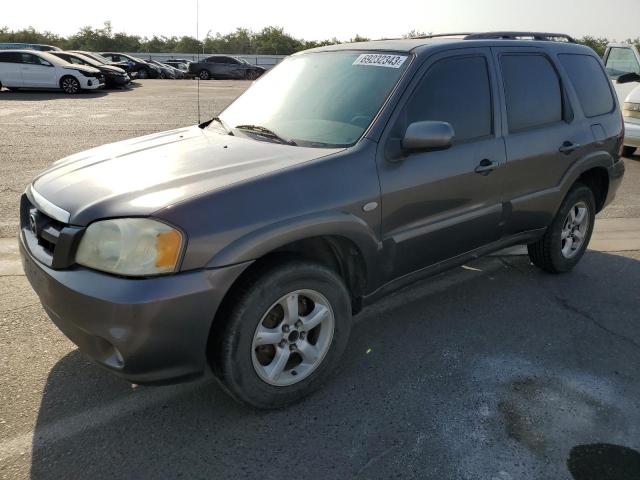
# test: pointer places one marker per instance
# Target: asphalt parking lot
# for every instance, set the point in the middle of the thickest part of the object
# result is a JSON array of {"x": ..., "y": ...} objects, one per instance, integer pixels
[{"x": 491, "y": 371}]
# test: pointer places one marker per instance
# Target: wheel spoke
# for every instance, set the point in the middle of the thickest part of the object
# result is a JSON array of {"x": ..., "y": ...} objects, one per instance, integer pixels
[
  {"x": 308, "y": 352},
  {"x": 572, "y": 216},
  {"x": 577, "y": 234},
  {"x": 267, "y": 336},
  {"x": 276, "y": 367},
  {"x": 315, "y": 318},
  {"x": 582, "y": 213},
  {"x": 565, "y": 233},
  {"x": 290, "y": 306},
  {"x": 567, "y": 246}
]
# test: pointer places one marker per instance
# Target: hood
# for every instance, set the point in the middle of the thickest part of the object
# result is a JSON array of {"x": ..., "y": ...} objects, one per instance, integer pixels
[
  {"x": 634, "y": 93},
  {"x": 83, "y": 68},
  {"x": 140, "y": 176}
]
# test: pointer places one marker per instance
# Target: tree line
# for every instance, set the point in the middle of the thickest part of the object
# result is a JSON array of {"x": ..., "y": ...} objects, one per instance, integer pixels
[{"x": 268, "y": 41}]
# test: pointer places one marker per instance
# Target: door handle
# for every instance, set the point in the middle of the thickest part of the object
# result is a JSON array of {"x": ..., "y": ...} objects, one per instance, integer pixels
[
  {"x": 485, "y": 167},
  {"x": 568, "y": 147}
]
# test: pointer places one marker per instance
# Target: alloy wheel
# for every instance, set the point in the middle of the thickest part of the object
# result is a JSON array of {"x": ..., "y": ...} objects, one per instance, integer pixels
[
  {"x": 574, "y": 230},
  {"x": 292, "y": 338},
  {"x": 70, "y": 85}
]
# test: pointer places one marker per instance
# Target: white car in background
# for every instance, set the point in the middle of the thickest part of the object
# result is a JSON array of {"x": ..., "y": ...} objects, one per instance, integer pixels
[
  {"x": 622, "y": 62},
  {"x": 34, "y": 69}
]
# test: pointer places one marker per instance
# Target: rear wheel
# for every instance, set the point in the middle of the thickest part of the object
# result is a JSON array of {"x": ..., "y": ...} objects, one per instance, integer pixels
[
  {"x": 70, "y": 85},
  {"x": 283, "y": 334},
  {"x": 251, "y": 75},
  {"x": 567, "y": 238},
  {"x": 142, "y": 74},
  {"x": 628, "y": 151},
  {"x": 204, "y": 74}
]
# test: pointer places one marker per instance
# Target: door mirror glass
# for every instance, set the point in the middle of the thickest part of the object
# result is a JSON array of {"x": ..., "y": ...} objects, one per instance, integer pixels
[
  {"x": 628, "y": 78},
  {"x": 427, "y": 135}
]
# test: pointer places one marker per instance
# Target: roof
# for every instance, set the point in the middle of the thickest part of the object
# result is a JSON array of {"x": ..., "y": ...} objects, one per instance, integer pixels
[{"x": 469, "y": 39}]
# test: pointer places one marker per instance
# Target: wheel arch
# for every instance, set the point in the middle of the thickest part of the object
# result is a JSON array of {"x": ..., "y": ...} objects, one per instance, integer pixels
[{"x": 341, "y": 241}]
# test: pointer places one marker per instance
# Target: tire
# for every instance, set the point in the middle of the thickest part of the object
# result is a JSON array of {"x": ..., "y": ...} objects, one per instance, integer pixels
[
  {"x": 70, "y": 85},
  {"x": 143, "y": 74},
  {"x": 552, "y": 252},
  {"x": 251, "y": 75},
  {"x": 204, "y": 74},
  {"x": 246, "y": 369},
  {"x": 628, "y": 151}
]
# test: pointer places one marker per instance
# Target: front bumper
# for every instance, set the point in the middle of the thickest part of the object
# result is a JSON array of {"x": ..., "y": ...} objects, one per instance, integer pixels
[
  {"x": 91, "y": 83},
  {"x": 152, "y": 330},
  {"x": 117, "y": 80},
  {"x": 631, "y": 133}
]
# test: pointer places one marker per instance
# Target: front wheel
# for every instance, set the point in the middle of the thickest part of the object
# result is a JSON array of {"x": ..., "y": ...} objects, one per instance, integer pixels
[
  {"x": 204, "y": 74},
  {"x": 567, "y": 238},
  {"x": 142, "y": 74},
  {"x": 283, "y": 334},
  {"x": 70, "y": 85}
]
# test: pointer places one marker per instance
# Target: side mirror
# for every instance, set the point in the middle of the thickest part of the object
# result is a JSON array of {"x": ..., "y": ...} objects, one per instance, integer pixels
[
  {"x": 628, "y": 78},
  {"x": 428, "y": 135}
]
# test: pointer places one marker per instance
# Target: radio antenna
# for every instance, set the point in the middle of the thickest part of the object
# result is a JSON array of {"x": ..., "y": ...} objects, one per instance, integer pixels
[{"x": 198, "y": 53}]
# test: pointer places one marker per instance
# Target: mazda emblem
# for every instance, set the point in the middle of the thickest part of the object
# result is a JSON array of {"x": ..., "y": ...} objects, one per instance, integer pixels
[{"x": 33, "y": 224}]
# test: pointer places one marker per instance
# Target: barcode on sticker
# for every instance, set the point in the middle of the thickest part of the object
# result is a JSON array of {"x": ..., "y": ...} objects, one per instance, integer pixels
[{"x": 380, "y": 60}]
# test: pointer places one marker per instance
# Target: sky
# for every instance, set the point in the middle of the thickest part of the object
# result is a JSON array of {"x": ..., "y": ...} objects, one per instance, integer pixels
[{"x": 615, "y": 19}]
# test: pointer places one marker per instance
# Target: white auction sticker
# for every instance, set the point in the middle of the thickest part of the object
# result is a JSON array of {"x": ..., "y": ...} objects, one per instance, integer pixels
[{"x": 380, "y": 60}]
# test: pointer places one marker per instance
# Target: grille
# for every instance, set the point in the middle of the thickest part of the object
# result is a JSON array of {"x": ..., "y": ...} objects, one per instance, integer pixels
[{"x": 50, "y": 241}]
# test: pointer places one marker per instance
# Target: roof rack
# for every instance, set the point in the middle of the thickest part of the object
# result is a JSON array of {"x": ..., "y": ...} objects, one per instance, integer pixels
[
  {"x": 543, "y": 36},
  {"x": 437, "y": 35}
]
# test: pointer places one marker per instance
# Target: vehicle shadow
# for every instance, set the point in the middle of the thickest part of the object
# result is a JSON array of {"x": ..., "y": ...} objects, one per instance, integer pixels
[
  {"x": 421, "y": 393},
  {"x": 23, "y": 95}
]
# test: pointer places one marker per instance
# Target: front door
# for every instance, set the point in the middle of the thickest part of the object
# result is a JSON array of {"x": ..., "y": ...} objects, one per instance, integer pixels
[
  {"x": 437, "y": 205},
  {"x": 37, "y": 72}
]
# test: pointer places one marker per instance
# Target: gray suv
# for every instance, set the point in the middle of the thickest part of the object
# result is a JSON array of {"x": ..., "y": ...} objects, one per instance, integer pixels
[{"x": 246, "y": 243}]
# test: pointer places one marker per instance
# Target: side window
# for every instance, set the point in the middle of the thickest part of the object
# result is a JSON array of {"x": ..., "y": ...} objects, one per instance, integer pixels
[
  {"x": 213, "y": 60},
  {"x": 621, "y": 61},
  {"x": 455, "y": 90},
  {"x": 590, "y": 83},
  {"x": 10, "y": 57},
  {"x": 30, "y": 59},
  {"x": 532, "y": 91},
  {"x": 75, "y": 61}
]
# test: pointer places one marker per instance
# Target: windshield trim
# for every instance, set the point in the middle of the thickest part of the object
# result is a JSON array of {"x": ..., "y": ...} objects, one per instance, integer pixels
[{"x": 409, "y": 62}]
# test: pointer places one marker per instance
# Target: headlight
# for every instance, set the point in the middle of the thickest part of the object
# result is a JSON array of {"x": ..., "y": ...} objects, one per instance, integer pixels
[
  {"x": 87, "y": 74},
  {"x": 631, "y": 110},
  {"x": 130, "y": 246}
]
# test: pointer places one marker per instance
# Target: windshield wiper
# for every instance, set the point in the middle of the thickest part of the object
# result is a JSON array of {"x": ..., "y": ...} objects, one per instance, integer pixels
[{"x": 265, "y": 132}]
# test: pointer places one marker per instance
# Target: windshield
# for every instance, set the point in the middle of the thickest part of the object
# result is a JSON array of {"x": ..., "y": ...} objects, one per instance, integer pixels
[
  {"x": 325, "y": 99},
  {"x": 99, "y": 57}
]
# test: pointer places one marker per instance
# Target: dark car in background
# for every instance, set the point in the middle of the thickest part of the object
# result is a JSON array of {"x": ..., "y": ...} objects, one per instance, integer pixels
[
  {"x": 140, "y": 67},
  {"x": 221, "y": 67},
  {"x": 181, "y": 66},
  {"x": 104, "y": 61},
  {"x": 114, "y": 76},
  {"x": 166, "y": 71}
]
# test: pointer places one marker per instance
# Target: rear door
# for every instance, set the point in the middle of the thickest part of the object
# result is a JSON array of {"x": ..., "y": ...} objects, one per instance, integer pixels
[
  {"x": 38, "y": 72},
  {"x": 10, "y": 69},
  {"x": 440, "y": 204},
  {"x": 543, "y": 138}
]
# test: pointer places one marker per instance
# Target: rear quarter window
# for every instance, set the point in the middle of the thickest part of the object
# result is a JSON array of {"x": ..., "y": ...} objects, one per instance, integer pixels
[
  {"x": 532, "y": 91},
  {"x": 590, "y": 83}
]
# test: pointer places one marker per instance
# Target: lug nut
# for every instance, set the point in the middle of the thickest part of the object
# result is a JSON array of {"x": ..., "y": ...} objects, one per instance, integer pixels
[
  {"x": 302, "y": 335},
  {"x": 285, "y": 328},
  {"x": 282, "y": 343},
  {"x": 298, "y": 324},
  {"x": 293, "y": 347}
]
